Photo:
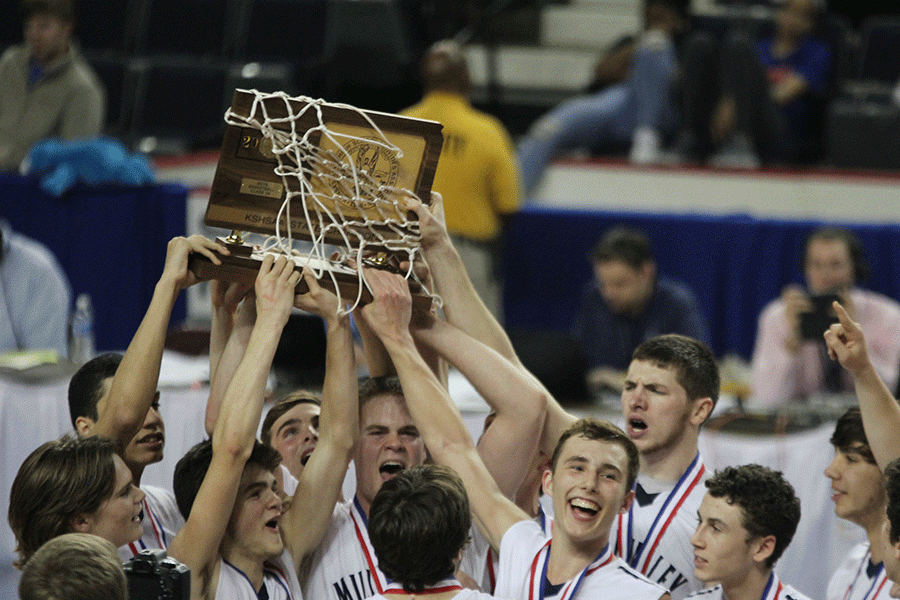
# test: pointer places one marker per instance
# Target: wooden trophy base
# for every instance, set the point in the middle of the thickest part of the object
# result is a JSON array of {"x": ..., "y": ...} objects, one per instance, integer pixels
[{"x": 242, "y": 266}]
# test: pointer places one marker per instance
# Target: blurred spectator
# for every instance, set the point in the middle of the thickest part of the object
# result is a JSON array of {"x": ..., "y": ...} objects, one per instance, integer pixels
[
  {"x": 750, "y": 100},
  {"x": 74, "y": 566},
  {"x": 477, "y": 173},
  {"x": 48, "y": 89},
  {"x": 635, "y": 103},
  {"x": 36, "y": 296},
  {"x": 789, "y": 361},
  {"x": 627, "y": 304}
]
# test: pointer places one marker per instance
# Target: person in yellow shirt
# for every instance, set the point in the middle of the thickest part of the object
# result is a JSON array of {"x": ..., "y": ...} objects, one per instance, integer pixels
[{"x": 477, "y": 174}]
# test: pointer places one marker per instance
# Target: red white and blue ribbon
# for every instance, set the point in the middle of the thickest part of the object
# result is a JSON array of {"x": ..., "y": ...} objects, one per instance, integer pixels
[
  {"x": 537, "y": 576},
  {"x": 546, "y": 523},
  {"x": 639, "y": 558},
  {"x": 440, "y": 587},
  {"x": 773, "y": 588},
  {"x": 362, "y": 535},
  {"x": 158, "y": 532},
  {"x": 877, "y": 582}
]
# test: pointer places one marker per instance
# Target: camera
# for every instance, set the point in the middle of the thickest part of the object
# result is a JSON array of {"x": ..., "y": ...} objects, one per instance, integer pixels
[
  {"x": 153, "y": 576},
  {"x": 814, "y": 323}
]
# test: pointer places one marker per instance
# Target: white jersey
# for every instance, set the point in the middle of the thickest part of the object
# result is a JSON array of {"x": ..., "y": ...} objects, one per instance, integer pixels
[
  {"x": 160, "y": 520},
  {"x": 288, "y": 481},
  {"x": 481, "y": 563},
  {"x": 279, "y": 579},
  {"x": 524, "y": 552},
  {"x": 858, "y": 578},
  {"x": 775, "y": 590},
  {"x": 344, "y": 566},
  {"x": 654, "y": 535}
]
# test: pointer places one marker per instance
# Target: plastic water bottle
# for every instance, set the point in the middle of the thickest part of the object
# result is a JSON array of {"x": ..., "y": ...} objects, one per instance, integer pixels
[{"x": 81, "y": 341}]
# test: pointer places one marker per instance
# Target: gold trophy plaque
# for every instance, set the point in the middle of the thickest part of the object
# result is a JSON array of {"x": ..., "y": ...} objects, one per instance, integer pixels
[{"x": 347, "y": 171}]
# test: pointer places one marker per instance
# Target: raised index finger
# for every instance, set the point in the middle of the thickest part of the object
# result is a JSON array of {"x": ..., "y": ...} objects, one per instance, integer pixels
[{"x": 842, "y": 316}]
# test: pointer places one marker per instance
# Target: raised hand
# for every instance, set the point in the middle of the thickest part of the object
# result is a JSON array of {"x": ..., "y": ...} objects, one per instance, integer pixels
[
  {"x": 846, "y": 342},
  {"x": 318, "y": 300},
  {"x": 389, "y": 312},
  {"x": 432, "y": 226},
  {"x": 275, "y": 289},
  {"x": 228, "y": 295},
  {"x": 177, "y": 253}
]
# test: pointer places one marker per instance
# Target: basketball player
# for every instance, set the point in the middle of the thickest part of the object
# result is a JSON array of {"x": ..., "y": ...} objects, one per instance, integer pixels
[
  {"x": 344, "y": 567},
  {"x": 746, "y": 520},
  {"x": 255, "y": 553},
  {"x": 890, "y": 533},
  {"x": 670, "y": 390},
  {"x": 881, "y": 419},
  {"x": 858, "y": 493},
  {"x": 418, "y": 524},
  {"x": 115, "y": 396},
  {"x": 592, "y": 469},
  {"x": 292, "y": 427},
  {"x": 880, "y": 411}
]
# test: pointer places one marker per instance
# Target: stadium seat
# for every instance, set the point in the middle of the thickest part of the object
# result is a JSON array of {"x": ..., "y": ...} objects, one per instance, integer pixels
[
  {"x": 184, "y": 27},
  {"x": 179, "y": 106}
]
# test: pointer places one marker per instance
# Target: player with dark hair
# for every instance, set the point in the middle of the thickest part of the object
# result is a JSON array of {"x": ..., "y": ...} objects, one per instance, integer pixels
[
  {"x": 390, "y": 443},
  {"x": 73, "y": 485},
  {"x": 419, "y": 524},
  {"x": 785, "y": 365},
  {"x": 857, "y": 486},
  {"x": 746, "y": 520},
  {"x": 115, "y": 397},
  {"x": 258, "y": 548},
  {"x": 881, "y": 419}
]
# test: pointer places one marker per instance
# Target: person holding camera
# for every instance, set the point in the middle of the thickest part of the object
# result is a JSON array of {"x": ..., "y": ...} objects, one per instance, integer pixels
[{"x": 790, "y": 361}]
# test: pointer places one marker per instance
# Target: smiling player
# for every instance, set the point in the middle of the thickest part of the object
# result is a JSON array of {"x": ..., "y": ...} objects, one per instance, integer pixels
[{"x": 592, "y": 470}]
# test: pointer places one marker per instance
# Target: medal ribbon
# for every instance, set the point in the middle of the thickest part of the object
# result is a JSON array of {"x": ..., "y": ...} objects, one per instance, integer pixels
[
  {"x": 442, "y": 586},
  {"x": 158, "y": 532},
  {"x": 538, "y": 573},
  {"x": 640, "y": 559},
  {"x": 773, "y": 588},
  {"x": 362, "y": 535}
]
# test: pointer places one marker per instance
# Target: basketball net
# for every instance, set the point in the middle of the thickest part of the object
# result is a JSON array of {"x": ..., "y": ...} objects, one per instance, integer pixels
[{"x": 339, "y": 198}]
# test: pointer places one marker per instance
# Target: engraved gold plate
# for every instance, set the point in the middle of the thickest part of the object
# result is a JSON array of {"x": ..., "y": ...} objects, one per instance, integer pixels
[{"x": 265, "y": 189}]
